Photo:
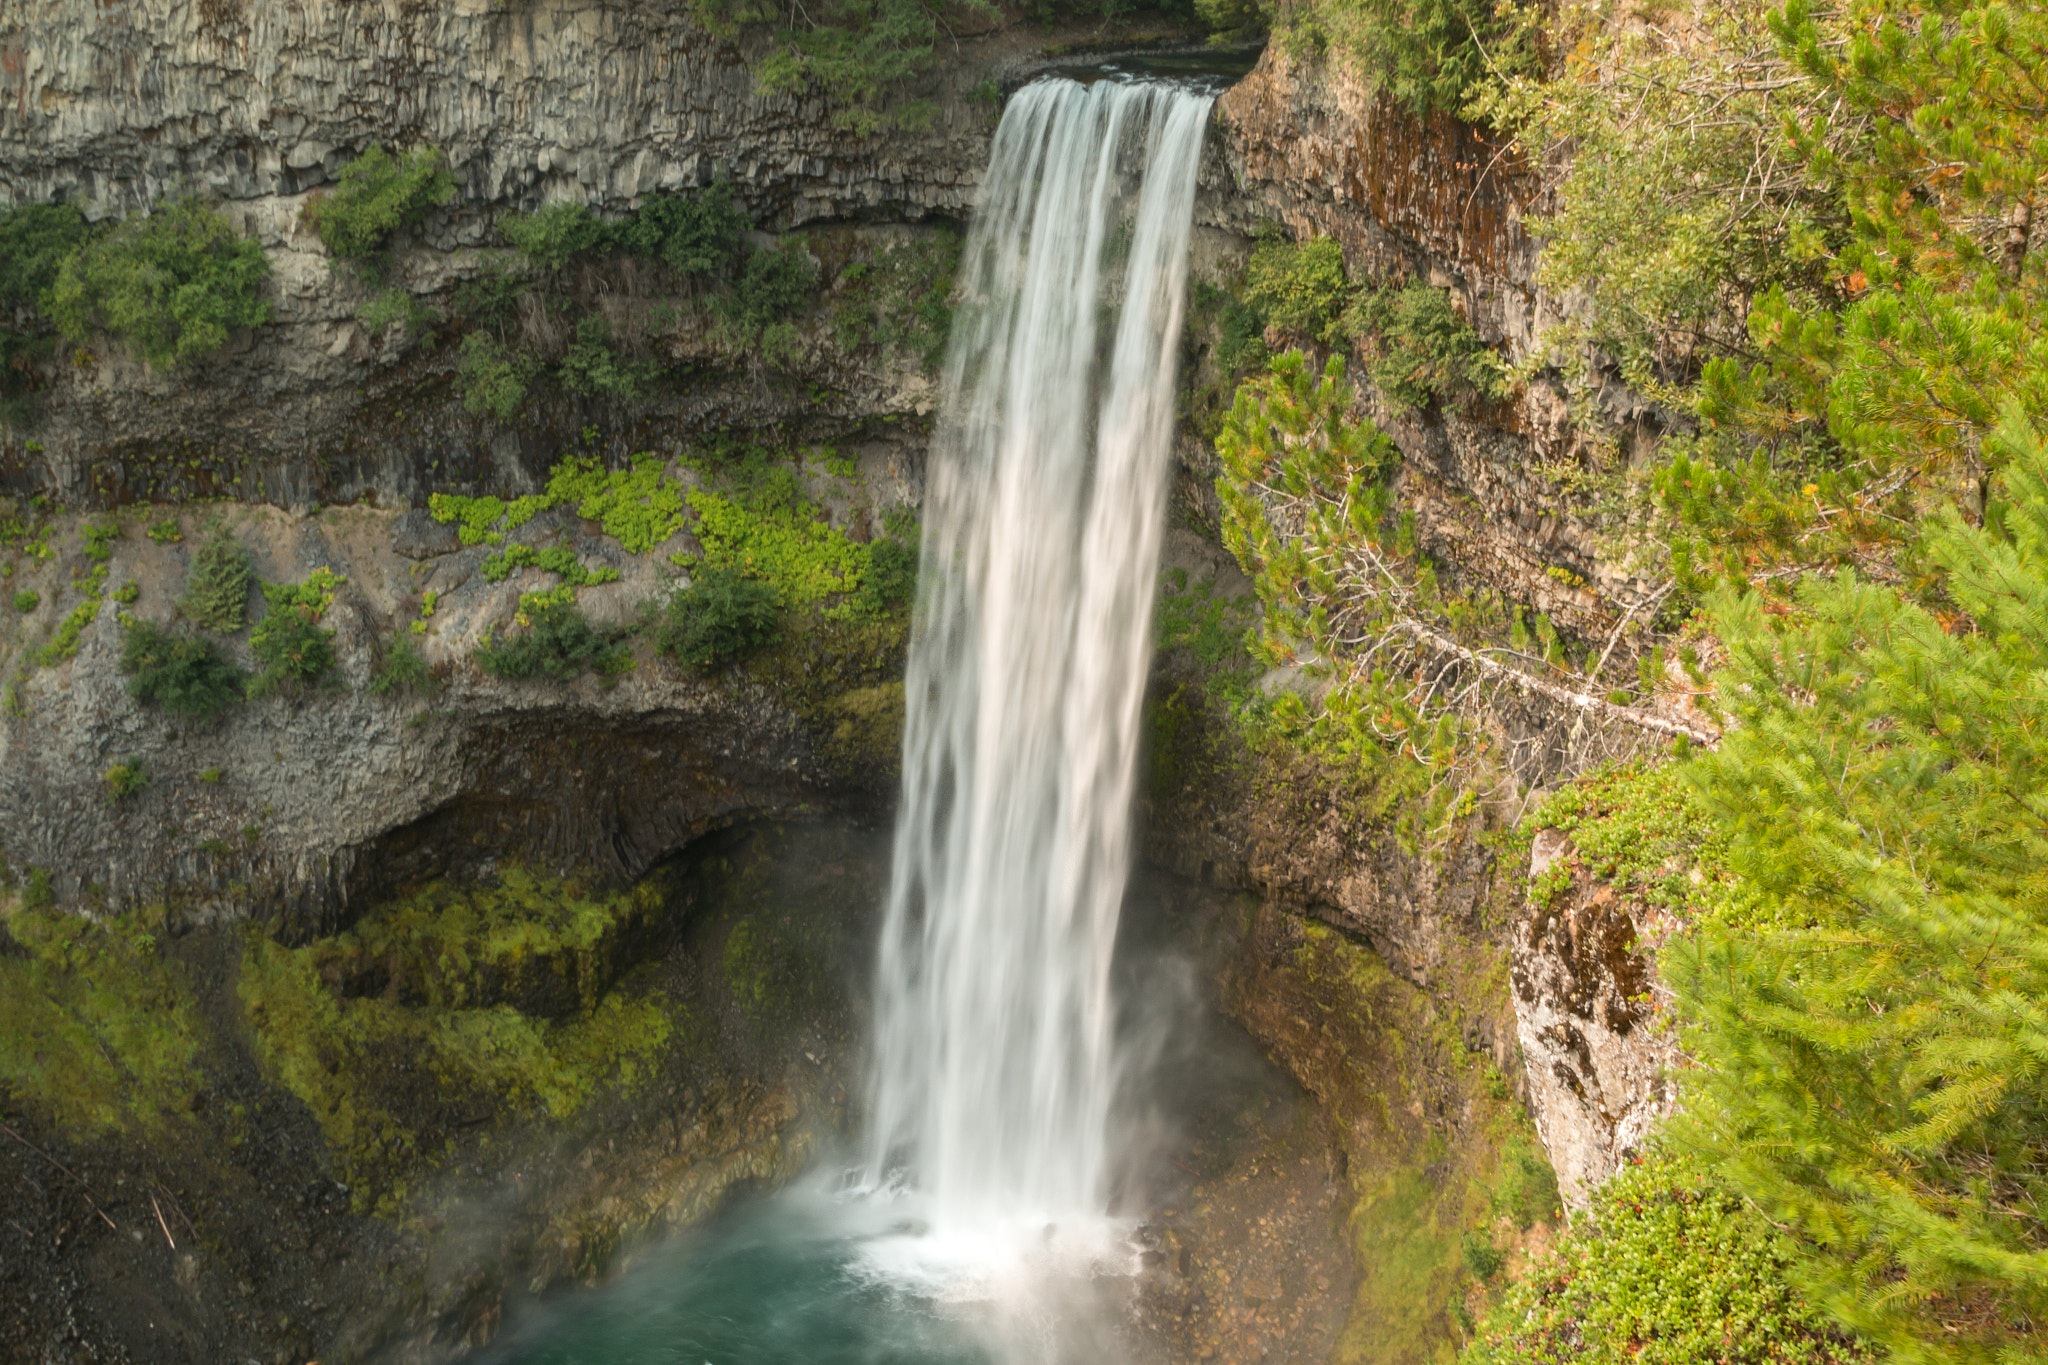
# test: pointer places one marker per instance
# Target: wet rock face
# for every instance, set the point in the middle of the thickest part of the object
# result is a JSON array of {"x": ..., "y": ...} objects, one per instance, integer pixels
[
  {"x": 115, "y": 106},
  {"x": 1599, "y": 1056}
]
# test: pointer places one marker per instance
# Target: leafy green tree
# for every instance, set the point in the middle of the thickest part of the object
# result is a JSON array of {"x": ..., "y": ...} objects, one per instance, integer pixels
[
  {"x": 171, "y": 285},
  {"x": 1872, "y": 1072},
  {"x": 375, "y": 195},
  {"x": 217, "y": 590},
  {"x": 723, "y": 615},
  {"x": 491, "y": 377},
  {"x": 183, "y": 674},
  {"x": 291, "y": 644},
  {"x": 34, "y": 240}
]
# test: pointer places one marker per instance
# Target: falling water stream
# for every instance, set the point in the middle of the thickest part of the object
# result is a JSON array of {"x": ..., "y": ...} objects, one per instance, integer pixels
[{"x": 995, "y": 1066}]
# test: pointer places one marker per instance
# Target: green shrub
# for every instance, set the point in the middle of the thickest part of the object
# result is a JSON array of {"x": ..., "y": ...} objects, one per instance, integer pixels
[
  {"x": 124, "y": 779},
  {"x": 166, "y": 532},
  {"x": 692, "y": 234},
  {"x": 184, "y": 674},
  {"x": 775, "y": 285},
  {"x": 1665, "y": 1269},
  {"x": 38, "y": 893},
  {"x": 556, "y": 642},
  {"x": 592, "y": 367},
  {"x": 217, "y": 590},
  {"x": 375, "y": 195},
  {"x": 720, "y": 617},
  {"x": 170, "y": 286},
  {"x": 1430, "y": 56},
  {"x": 1425, "y": 352},
  {"x": 491, "y": 377},
  {"x": 1298, "y": 287},
  {"x": 26, "y": 601},
  {"x": 391, "y": 308},
  {"x": 289, "y": 641},
  {"x": 891, "y": 576},
  {"x": 556, "y": 234},
  {"x": 34, "y": 241},
  {"x": 404, "y": 670}
]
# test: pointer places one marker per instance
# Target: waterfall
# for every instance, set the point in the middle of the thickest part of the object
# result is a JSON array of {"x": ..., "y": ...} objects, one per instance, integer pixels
[{"x": 994, "y": 1065}]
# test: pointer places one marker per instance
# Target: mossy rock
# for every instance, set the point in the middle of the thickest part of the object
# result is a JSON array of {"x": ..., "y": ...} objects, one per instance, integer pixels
[{"x": 535, "y": 944}]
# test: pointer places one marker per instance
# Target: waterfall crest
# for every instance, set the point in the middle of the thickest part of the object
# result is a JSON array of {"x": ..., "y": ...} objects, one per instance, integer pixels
[{"x": 994, "y": 1068}]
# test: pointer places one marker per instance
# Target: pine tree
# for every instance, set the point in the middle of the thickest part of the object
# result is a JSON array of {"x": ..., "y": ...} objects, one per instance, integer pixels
[{"x": 1873, "y": 1068}]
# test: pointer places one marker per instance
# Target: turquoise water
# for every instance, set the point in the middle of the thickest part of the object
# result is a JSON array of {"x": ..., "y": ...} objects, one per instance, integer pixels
[{"x": 783, "y": 1280}]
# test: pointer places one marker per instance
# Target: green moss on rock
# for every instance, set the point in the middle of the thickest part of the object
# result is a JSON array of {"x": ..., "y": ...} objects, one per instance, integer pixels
[
  {"x": 450, "y": 1008},
  {"x": 96, "y": 1031}
]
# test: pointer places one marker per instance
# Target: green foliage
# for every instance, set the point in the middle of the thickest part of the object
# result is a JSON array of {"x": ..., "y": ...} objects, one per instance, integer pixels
[
  {"x": 99, "y": 537},
  {"x": 1422, "y": 351},
  {"x": 96, "y": 1031},
  {"x": 593, "y": 367},
  {"x": 774, "y": 286},
  {"x": 71, "y": 630},
  {"x": 555, "y": 560},
  {"x": 393, "y": 307},
  {"x": 499, "y": 999},
  {"x": 554, "y": 641},
  {"x": 1681, "y": 204},
  {"x": 183, "y": 674},
  {"x": 768, "y": 532},
  {"x": 855, "y": 53},
  {"x": 638, "y": 506},
  {"x": 555, "y": 235},
  {"x": 693, "y": 234},
  {"x": 123, "y": 779},
  {"x": 1298, "y": 287},
  {"x": 491, "y": 377},
  {"x": 890, "y": 579},
  {"x": 166, "y": 532},
  {"x": 375, "y": 195},
  {"x": 1429, "y": 56},
  {"x": 35, "y": 239},
  {"x": 722, "y": 616},
  {"x": 170, "y": 286},
  {"x": 1643, "y": 829},
  {"x": 404, "y": 671},
  {"x": 1665, "y": 1269},
  {"x": 37, "y": 893},
  {"x": 217, "y": 590},
  {"x": 899, "y": 299},
  {"x": 27, "y": 600},
  {"x": 291, "y": 644},
  {"x": 1871, "y": 1070}
]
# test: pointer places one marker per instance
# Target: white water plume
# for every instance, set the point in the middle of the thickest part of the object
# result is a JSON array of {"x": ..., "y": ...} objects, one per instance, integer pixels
[{"x": 995, "y": 1068}]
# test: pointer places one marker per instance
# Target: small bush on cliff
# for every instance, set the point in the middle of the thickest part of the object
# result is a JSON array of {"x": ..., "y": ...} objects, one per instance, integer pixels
[
  {"x": 35, "y": 239},
  {"x": 294, "y": 649},
  {"x": 554, "y": 235},
  {"x": 183, "y": 674},
  {"x": 592, "y": 365},
  {"x": 1299, "y": 287},
  {"x": 217, "y": 590},
  {"x": 553, "y": 640},
  {"x": 375, "y": 195},
  {"x": 404, "y": 671},
  {"x": 720, "y": 617},
  {"x": 171, "y": 286},
  {"x": 1665, "y": 1269},
  {"x": 694, "y": 234},
  {"x": 773, "y": 288},
  {"x": 491, "y": 377},
  {"x": 123, "y": 779},
  {"x": 1421, "y": 351}
]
